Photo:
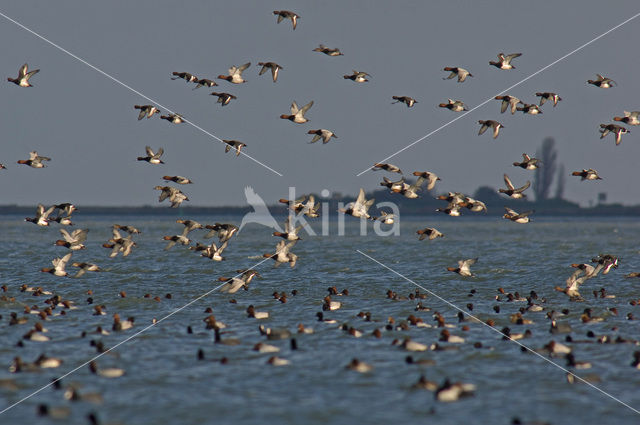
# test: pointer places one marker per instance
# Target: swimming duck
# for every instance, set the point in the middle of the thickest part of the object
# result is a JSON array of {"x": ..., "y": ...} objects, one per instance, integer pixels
[
  {"x": 527, "y": 163},
  {"x": 176, "y": 196},
  {"x": 495, "y": 125},
  {"x": 73, "y": 241},
  {"x": 463, "y": 268},
  {"x": 449, "y": 392},
  {"x": 173, "y": 118},
  {"x": 409, "y": 101},
  {"x": 504, "y": 61},
  {"x": 456, "y": 71},
  {"x": 262, "y": 347},
  {"x": 110, "y": 372},
  {"x": 323, "y": 134},
  {"x": 233, "y": 144},
  {"x": 282, "y": 254},
  {"x": 85, "y": 267},
  {"x": 121, "y": 325},
  {"x": 517, "y": 217},
  {"x": 146, "y": 111},
  {"x": 172, "y": 240},
  {"x": 35, "y": 160},
  {"x": 508, "y": 102},
  {"x": 204, "y": 82},
  {"x": 357, "y": 76},
  {"x": 189, "y": 78},
  {"x": 387, "y": 167},
  {"x": 327, "y": 51},
  {"x": 223, "y": 98},
  {"x": 630, "y": 118},
  {"x": 602, "y": 82},
  {"x": 512, "y": 191},
  {"x": 290, "y": 231},
  {"x": 445, "y": 336},
  {"x": 454, "y": 105},
  {"x": 23, "y": 76},
  {"x": 274, "y": 67},
  {"x": 152, "y": 157},
  {"x": 278, "y": 361},
  {"x": 429, "y": 232},
  {"x": 529, "y": 108},
  {"x": 589, "y": 174},
  {"x": 251, "y": 312},
  {"x": 286, "y": 14},
  {"x": 235, "y": 74},
  {"x": 42, "y": 215},
  {"x": 359, "y": 366},
  {"x": 618, "y": 130},
  {"x": 59, "y": 265},
  {"x": 297, "y": 115},
  {"x": 178, "y": 179},
  {"x": 225, "y": 231},
  {"x": 360, "y": 207},
  {"x": 552, "y": 97}
]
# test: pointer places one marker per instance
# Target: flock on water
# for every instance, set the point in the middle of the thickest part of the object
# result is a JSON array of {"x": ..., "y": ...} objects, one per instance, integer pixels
[{"x": 123, "y": 242}]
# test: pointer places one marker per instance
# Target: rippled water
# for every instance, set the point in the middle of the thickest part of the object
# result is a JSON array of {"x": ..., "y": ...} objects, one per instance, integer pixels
[{"x": 166, "y": 384}]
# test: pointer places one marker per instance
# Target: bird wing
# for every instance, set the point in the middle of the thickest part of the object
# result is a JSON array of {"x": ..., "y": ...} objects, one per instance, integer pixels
[
  {"x": 149, "y": 151},
  {"x": 294, "y": 108},
  {"x": 507, "y": 181},
  {"x": 525, "y": 187},
  {"x": 306, "y": 107}
]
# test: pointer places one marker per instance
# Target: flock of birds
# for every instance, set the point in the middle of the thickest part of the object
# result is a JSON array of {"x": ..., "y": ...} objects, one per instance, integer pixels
[{"x": 122, "y": 240}]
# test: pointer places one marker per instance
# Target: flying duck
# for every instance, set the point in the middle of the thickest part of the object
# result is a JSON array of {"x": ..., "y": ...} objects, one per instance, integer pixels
[
  {"x": 42, "y": 215},
  {"x": 189, "y": 226},
  {"x": 173, "y": 118},
  {"x": 225, "y": 231},
  {"x": 290, "y": 231},
  {"x": 529, "y": 108},
  {"x": 508, "y": 102},
  {"x": 274, "y": 67},
  {"x": 189, "y": 78},
  {"x": 602, "y": 82},
  {"x": 297, "y": 115},
  {"x": 327, "y": 51},
  {"x": 385, "y": 217},
  {"x": 456, "y": 71},
  {"x": 282, "y": 254},
  {"x": 172, "y": 240},
  {"x": 618, "y": 130},
  {"x": 360, "y": 207},
  {"x": 323, "y": 134},
  {"x": 517, "y": 217},
  {"x": 630, "y": 118},
  {"x": 59, "y": 265},
  {"x": 495, "y": 125},
  {"x": 429, "y": 232},
  {"x": 386, "y": 167},
  {"x": 454, "y": 105},
  {"x": 504, "y": 61},
  {"x": 463, "y": 268},
  {"x": 430, "y": 178},
  {"x": 286, "y": 14},
  {"x": 527, "y": 163},
  {"x": 178, "y": 179},
  {"x": 512, "y": 191},
  {"x": 589, "y": 174},
  {"x": 23, "y": 76},
  {"x": 235, "y": 74},
  {"x": 85, "y": 267},
  {"x": 223, "y": 98},
  {"x": 35, "y": 160},
  {"x": 73, "y": 241},
  {"x": 409, "y": 101},
  {"x": 357, "y": 76},
  {"x": 176, "y": 197},
  {"x": 152, "y": 157},
  {"x": 233, "y": 144},
  {"x": 552, "y": 97},
  {"x": 204, "y": 82},
  {"x": 146, "y": 111}
]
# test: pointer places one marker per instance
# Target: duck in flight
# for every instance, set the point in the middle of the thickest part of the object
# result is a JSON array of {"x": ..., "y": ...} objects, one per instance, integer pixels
[
  {"x": 456, "y": 71},
  {"x": 504, "y": 61},
  {"x": 23, "y": 76},
  {"x": 235, "y": 74},
  {"x": 287, "y": 14},
  {"x": 152, "y": 157},
  {"x": 274, "y": 67},
  {"x": 297, "y": 114},
  {"x": 512, "y": 191}
]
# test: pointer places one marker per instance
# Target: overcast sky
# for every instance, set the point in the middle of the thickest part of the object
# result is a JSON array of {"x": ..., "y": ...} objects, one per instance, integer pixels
[{"x": 86, "y": 122}]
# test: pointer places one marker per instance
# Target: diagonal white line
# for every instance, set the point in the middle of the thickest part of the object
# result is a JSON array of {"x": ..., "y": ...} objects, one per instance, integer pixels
[
  {"x": 123, "y": 341},
  {"x": 505, "y": 90},
  {"x": 497, "y": 331},
  {"x": 114, "y": 79}
]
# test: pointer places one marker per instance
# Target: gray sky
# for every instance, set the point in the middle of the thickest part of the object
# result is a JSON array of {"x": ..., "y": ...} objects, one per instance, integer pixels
[{"x": 87, "y": 123}]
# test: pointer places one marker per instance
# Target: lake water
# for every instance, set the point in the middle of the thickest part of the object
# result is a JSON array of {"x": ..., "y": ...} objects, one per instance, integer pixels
[{"x": 164, "y": 382}]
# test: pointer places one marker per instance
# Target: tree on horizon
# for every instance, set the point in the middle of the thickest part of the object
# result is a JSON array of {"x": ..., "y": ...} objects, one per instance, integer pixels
[{"x": 543, "y": 178}]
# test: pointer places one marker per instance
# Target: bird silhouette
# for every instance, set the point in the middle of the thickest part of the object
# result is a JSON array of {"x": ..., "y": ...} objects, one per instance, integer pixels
[{"x": 261, "y": 214}]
